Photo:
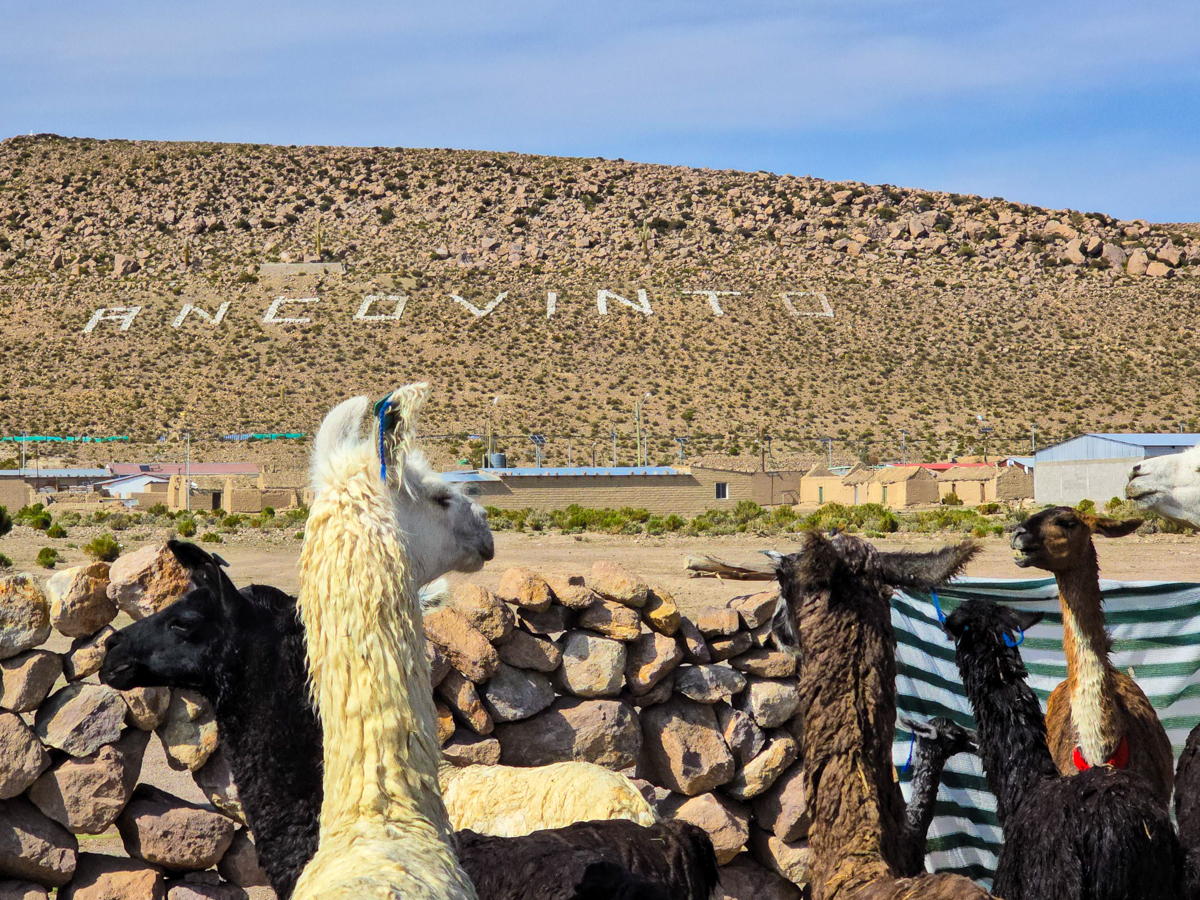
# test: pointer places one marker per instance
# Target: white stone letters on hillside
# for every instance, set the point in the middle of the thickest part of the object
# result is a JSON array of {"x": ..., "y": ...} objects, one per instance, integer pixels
[
  {"x": 475, "y": 310},
  {"x": 271, "y": 318},
  {"x": 401, "y": 302},
  {"x": 712, "y": 299},
  {"x": 210, "y": 318},
  {"x": 642, "y": 305},
  {"x": 123, "y": 314},
  {"x": 826, "y": 310},
  {"x": 375, "y": 308}
]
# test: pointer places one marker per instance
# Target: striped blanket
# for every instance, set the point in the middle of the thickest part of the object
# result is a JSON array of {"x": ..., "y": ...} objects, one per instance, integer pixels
[{"x": 1155, "y": 628}]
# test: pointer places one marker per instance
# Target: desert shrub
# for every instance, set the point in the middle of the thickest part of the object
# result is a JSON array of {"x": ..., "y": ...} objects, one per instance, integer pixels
[
  {"x": 118, "y": 521},
  {"x": 655, "y": 525},
  {"x": 69, "y": 519},
  {"x": 268, "y": 512},
  {"x": 989, "y": 509},
  {"x": 231, "y": 521},
  {"x": 211, "y": 537},
  {"x": 99, "y": 516},
  {"x": 537, "y": 521},
  {"x": 186, "y": 527},
  {"x": 1086, "y": 506},
  {"x": 104, "y": 547},
  {"x": 673, "y": 522},
  {"x": 6, "y": 522},
  {"x": 299, "y": 535},
  {"x": 34, "y": 516},
  {"x": 157, "y": 509},
  {"x": 5, "y": 562},
  {"x": 56, "y": 531},
  {"x": 952, "y": 499},
  {"x": 299, "y": 514},
  {"x": 747, "y": 511},
  {"x": 47, "y": 557}
]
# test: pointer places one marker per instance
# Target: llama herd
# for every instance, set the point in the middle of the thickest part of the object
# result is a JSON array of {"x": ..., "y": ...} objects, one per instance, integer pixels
[{"x": 326, "y": 715}]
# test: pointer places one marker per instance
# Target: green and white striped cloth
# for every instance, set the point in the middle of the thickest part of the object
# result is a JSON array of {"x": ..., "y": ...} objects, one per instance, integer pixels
[{"x": 1155, "y": 628}]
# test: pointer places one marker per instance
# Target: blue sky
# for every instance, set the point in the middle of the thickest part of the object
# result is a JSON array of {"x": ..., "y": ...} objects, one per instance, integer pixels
[{"x": 1093, "y": 106}]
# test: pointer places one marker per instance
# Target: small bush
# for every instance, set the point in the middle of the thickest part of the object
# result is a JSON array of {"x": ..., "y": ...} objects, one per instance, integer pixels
[
  {"x": 1086, "y": 506},
  {"x": 118, "y": 521},
  {"x": 673, "y": 522},
  {"x": 186, "y": 527},
  {"x": 6, "y": 522},
  {"x": 268, "y": 512},
  {"x": 952, "y": 499},
  {"x": 69, "y": 519},
  {"x": 103, "y": 548},
  {"x": 47, "y": 557},
  {"x": 157, "y": 509},
  {"x": 211, "y": 537},
  {"x": 34, "y": 516},
  {"x": 5, "y": 562},
  {"x": 56, "y": 531},
  {"x": 989, "y": 509}
]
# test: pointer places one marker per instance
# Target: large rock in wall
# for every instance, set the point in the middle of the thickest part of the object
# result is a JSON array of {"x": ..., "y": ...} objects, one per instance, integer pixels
[{"x": 600, "y": 667}]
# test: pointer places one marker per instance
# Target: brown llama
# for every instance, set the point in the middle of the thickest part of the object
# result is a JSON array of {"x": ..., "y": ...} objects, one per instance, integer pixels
[
  {"x": 1098, "y": 716},
  {"x": 836, "y": 615}
]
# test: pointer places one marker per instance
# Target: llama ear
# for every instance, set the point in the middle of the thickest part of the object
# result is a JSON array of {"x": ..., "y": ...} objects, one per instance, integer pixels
[
  {"x": 397, "y": 415},
  {"x": 1028, "y": 618},
  {"x": 206, "y": 570},
  {"x": 924, "y": 571},
  {"x": 1111, "y": 528}
]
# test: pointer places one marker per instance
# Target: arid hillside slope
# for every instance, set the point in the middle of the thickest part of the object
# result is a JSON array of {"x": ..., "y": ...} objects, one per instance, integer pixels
[{"x": 944, "y": 307}]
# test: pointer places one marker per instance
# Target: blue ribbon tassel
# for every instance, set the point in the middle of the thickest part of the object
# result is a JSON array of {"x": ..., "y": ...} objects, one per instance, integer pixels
[{"x": 381, "y": 410}]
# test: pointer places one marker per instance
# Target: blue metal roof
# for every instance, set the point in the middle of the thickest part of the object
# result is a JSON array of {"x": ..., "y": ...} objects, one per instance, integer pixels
[
  {"x": 573, "y": 471},
  {"x": 1101, "y": 445},
  {"x": 468, "y": 476},
  {"x": 55, "y": 473}
]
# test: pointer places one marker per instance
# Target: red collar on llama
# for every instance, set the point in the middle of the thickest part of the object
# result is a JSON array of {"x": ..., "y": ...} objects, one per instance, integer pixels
[{"x": 1118, "y": 760}]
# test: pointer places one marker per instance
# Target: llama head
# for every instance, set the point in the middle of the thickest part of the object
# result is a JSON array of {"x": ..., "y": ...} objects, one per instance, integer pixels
[
  {"x": 1168, "y": 485},
  {"x": 1060, "y": 539},
  {"x": 184, "y": 644},
  {"x": 940, "y": 737},
  {"x": 987, "y": 639},
  {"x": 846, "y": 572},
  {"x": 442, "y": 529}
]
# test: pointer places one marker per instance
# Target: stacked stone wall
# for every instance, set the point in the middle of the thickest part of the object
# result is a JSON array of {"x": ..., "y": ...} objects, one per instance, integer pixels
[{"x": 699, "y": 709}]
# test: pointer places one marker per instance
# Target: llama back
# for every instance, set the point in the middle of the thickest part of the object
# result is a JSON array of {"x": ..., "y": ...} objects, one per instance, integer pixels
[{"x": 509, "y": 801}]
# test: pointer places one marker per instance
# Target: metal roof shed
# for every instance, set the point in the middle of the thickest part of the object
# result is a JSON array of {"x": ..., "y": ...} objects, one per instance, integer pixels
[{"x": 1095, "y": 466}]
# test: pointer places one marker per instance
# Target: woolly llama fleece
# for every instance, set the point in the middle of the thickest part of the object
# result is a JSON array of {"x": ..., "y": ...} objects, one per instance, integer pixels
[{"x": 384, "y": 831}]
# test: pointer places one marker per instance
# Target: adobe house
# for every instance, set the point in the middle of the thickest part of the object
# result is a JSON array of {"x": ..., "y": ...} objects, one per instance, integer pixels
[
  {"x": 897, "y": 487},
  {"x": 974, "y": 485},
  {"x": 855, "y": 482},
  {"x": 819, "y": 486},
  {"x": 663, "y": 490}
]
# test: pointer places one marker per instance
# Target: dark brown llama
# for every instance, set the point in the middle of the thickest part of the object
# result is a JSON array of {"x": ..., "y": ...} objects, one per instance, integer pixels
[{"x": 836, "y": 614}]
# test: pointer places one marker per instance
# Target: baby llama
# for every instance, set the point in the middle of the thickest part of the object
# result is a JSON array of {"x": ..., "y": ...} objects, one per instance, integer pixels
[{"x": 384, "y": 831}]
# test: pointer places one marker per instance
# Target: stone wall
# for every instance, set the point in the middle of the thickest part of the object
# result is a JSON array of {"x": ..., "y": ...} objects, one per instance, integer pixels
[{"x": 700, "y": 710}]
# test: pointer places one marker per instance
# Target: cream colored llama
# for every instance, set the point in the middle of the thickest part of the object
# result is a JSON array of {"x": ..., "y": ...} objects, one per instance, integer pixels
[
  {"x": 384, "y": 831},
  {"x": 1168, "y": 485},
  {"x": 510, "y": 801}
]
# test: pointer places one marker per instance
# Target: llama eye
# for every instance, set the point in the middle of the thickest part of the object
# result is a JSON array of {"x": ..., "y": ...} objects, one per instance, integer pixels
[{"x": 442, "y": 500}]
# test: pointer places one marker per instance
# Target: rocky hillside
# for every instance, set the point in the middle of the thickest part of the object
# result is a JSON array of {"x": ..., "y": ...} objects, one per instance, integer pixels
[{"x": 944, "y": 307}]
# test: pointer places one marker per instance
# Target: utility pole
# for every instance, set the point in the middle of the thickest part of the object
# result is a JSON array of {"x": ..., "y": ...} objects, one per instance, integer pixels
[
  {"x": 594, "y": 445},
  {"x": 614, "y": 440},
  {"x": 187, "y": 480},
  {"x": 24, "y": 441},
  {"x": 568, "y": 450},
  {"x": 986, "y": 431},
  {"x": 637, "y": 418},
  {"x": 903, "y": 446},
  {"x": 1033, "y": 438}
]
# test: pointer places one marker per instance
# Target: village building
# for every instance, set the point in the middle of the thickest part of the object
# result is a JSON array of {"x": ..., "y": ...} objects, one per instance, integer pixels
[
  {"x": 1096, "y": 466},
  {"x": 977, "y": 484},
  {"x": 685, "y": 490}
]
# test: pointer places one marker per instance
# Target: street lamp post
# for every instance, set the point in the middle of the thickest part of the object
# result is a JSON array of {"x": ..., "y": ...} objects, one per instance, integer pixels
[
  {"x": 986, "y": 431},
  {"x": 680, "y": 441},
  {"x": 614, "y": 440},
  {"x": 538, "y": 442},
  {"x": 903, "y": 446},
  {"x": 1033, "y": 438},
  {"x": 637, "y": 418}
]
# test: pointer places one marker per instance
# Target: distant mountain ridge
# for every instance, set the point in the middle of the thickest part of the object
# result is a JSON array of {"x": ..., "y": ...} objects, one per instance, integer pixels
[{"x": 788, "y": 305}]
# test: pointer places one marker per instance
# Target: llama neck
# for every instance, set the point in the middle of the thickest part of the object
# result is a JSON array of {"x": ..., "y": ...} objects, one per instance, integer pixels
[
  {"x": 279, "y": 784},
  {"x": 1012, "y": 736},
  {"x": 366, "y": 654},
  {"x": 918, "y": 815},
  {"x": 1089, "y": 672},
  {"x": 847, "y": 688}
]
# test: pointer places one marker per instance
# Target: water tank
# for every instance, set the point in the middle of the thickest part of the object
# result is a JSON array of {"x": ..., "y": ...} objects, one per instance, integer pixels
[{"x": 497, "y": 460}]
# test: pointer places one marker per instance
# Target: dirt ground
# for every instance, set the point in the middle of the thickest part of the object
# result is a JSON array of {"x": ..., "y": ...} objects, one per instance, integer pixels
[{"x": 270, "y": 557}]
